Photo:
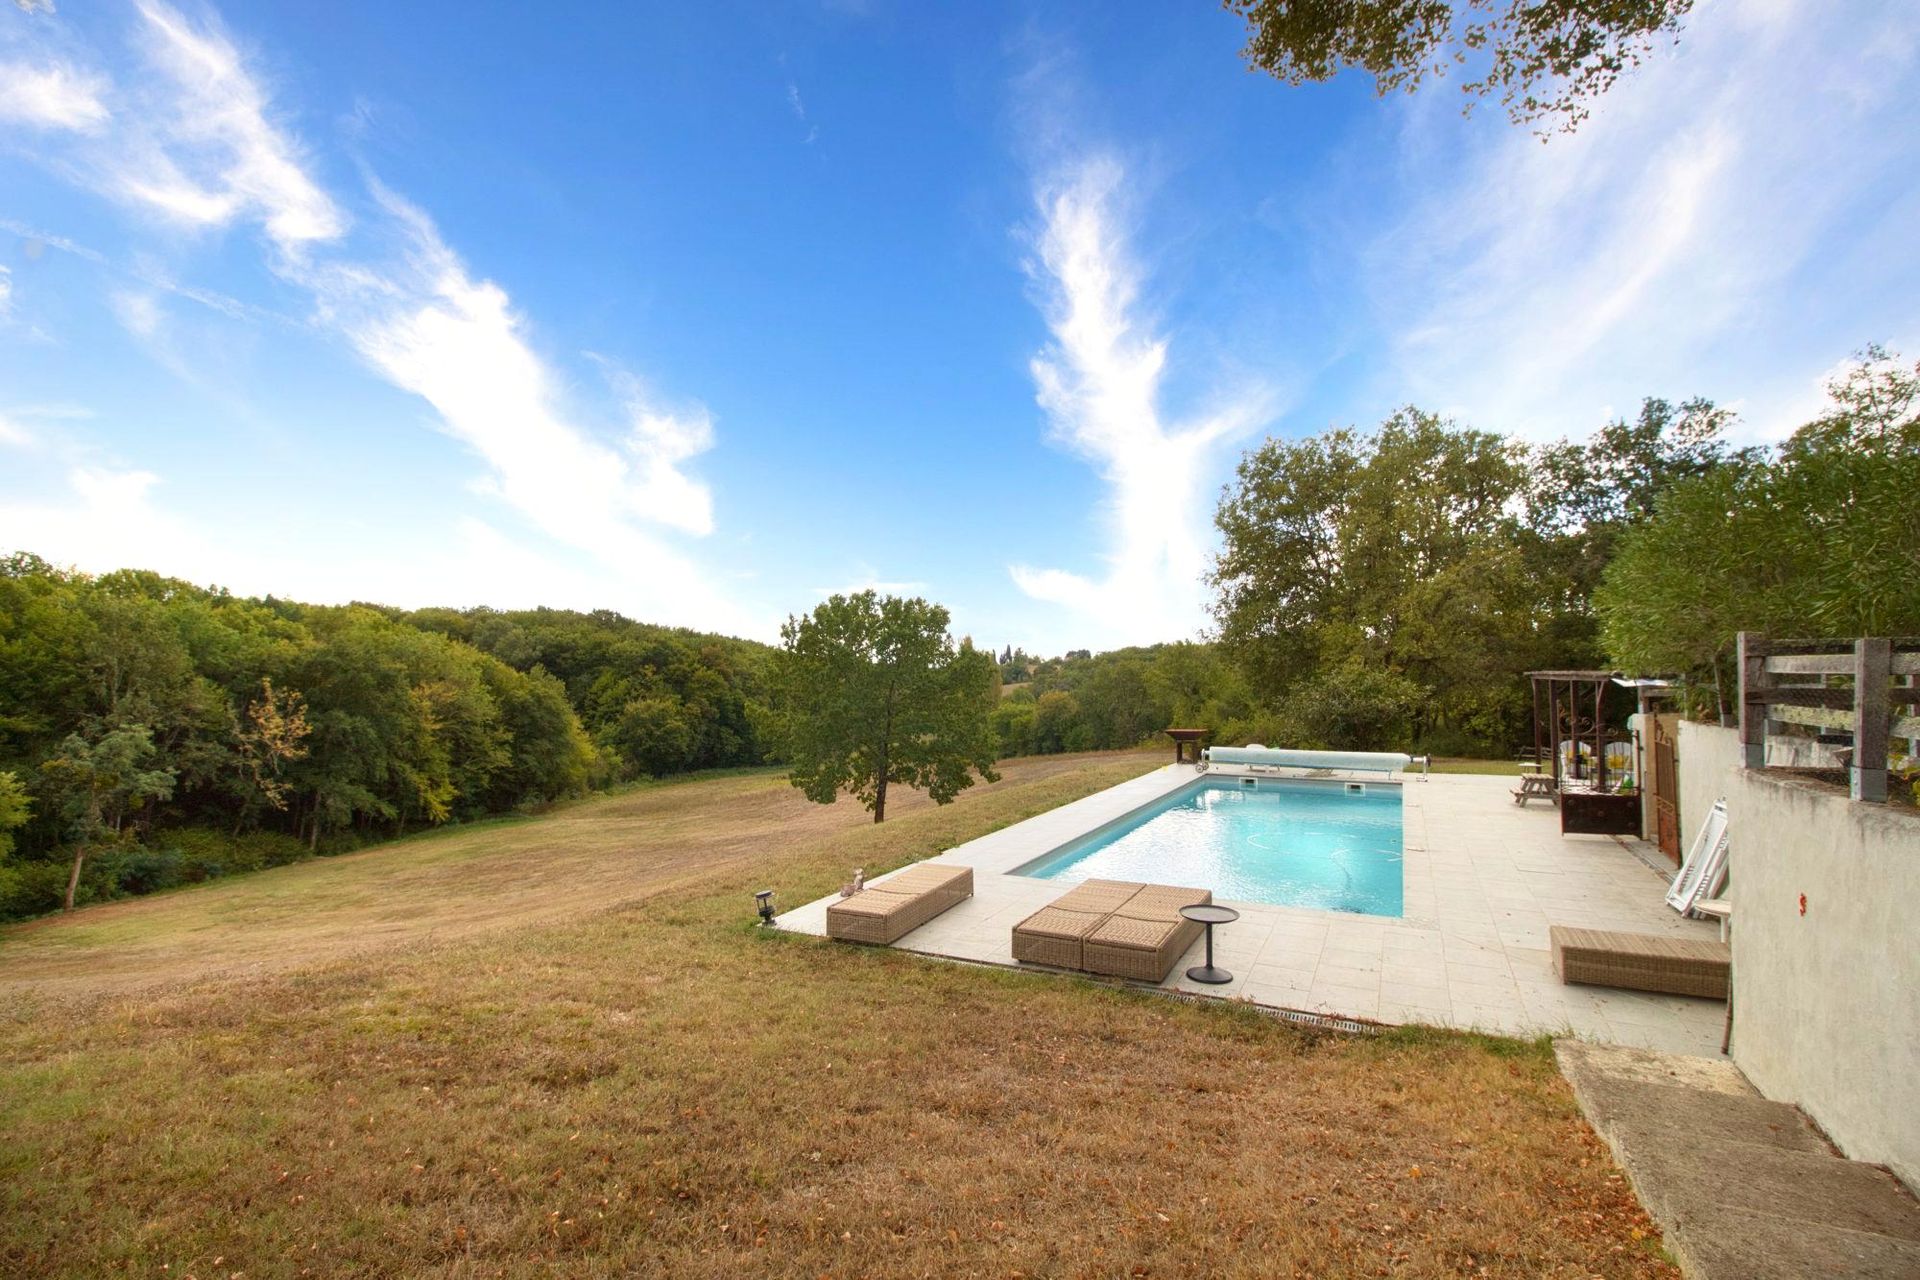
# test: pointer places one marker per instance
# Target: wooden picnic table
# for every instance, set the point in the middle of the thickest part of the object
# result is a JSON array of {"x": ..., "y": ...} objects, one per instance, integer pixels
[{"x": 1534, "y": 786}]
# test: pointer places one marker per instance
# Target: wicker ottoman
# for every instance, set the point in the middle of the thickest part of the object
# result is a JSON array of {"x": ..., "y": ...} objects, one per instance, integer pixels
[
  {"x": 1098, "y": 896},
  {"x": 1143, "y": 950},
  {"x": 1642, "y": 962},
  {"x": 1162, "y": 902},
  {"x": 1055, "y": 936},
  {"x": 888, "y": 911}
]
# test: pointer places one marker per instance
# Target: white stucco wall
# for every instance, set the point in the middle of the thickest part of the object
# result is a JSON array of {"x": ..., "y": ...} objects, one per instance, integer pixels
[
  {"x": 1709, "y": 764},
  {"x": 1826, "y": 1002}
]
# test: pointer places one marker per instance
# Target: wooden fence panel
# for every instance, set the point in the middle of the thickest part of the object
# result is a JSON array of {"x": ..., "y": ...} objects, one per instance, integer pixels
[
  {"x": 1872, "y": 671},
  {"x": 1873, "y": 709}
]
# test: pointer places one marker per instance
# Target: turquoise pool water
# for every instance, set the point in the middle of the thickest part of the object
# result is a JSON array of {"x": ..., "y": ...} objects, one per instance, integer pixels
[{"x": 1297, "y": 844}]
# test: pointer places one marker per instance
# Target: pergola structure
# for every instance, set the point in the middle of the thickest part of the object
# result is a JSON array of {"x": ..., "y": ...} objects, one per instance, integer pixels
[{"x": 1570, "y": 712}]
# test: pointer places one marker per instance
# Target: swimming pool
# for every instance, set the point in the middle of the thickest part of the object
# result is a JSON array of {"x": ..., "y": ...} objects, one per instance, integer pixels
[{"x": 1287, "y": 842}]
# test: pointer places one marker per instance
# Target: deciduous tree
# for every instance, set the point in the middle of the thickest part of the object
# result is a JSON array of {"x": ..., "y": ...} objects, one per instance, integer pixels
[
  {"x": 1823, "y": 539},
  {"x": 877, "y": 692},
  {"x": 1341, "y": 553},
  {"x": 269, "y": 734},
  {"x": 15, "y": 806},
  {"x": 1545, "y": 61},
  {"x": 96, "y": 781}
]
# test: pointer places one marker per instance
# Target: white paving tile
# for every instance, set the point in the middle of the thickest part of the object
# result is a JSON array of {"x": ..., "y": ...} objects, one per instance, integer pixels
[{"x": 1484, "y": 882}]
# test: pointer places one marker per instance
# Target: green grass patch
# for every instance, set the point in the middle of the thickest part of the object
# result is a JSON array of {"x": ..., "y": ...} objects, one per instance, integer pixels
[{"x": 1460, "y": 764}]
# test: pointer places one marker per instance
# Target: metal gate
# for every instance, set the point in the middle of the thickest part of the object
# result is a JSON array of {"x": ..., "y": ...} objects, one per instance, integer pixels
[{"x": 1666, "y": 786}]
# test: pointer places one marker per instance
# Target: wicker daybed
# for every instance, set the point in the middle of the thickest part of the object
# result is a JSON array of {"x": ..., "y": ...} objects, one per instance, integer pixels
[
  {"x": 885, "y": 912},
  {"x": 1642, "y": 961},
  {"x": 1112, "y": 927}
]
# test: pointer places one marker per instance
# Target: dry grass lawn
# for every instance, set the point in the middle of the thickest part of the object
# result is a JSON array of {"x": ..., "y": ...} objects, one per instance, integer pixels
[
  {"x": 584, "y": 857},
  {"x": 558, "y": 1047}
]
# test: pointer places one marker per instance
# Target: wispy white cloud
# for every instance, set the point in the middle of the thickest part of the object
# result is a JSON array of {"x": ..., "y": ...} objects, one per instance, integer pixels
[
  {"x": 6, "y": 290},
  {"x": 22, "y": 426},
  {"x": 1540, "y": 288},
  {"x": 190, "y": 138},
  {"x": 659, "y": 440},
  {"x": 214, "y": 152},
  {"x": 139, "y": 313},
  {"x": 53, "y": 95},
  {"x": 1100, "y": 385},
  {"x": 865, "y": 578},
  {"x": 35, "y": 241},
  {"x": 208, "y": 149},
  {"x": 799, "y": 108},
  {"x": 105, "y": 517},
  {"x": 147, "y": 271},
  {"x": 86, "y": 507},
  {"x": 432, "y": 329},
  {"x": 146, "y": 319}
]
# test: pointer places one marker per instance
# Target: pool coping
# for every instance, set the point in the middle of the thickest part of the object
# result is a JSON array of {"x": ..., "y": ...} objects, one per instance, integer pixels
[{"x": 1483, "y": 880}]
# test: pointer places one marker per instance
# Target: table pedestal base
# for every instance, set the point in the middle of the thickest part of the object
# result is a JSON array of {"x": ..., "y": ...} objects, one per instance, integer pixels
[{"x": 1209, "y": 914}]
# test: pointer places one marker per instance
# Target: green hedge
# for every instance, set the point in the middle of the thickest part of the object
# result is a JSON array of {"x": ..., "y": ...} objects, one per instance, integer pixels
[{"x": 189, "y": 855}]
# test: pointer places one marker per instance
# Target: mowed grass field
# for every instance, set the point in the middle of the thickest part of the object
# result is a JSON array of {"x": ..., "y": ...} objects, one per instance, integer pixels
[{"x": 559, "y": 1046}]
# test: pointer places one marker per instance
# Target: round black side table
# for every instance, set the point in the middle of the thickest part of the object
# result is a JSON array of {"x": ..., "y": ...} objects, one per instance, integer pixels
[{"x": 1209, "y": 915}]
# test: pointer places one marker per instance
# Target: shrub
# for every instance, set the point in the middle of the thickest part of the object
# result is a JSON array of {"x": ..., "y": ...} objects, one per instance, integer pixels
[
  {"x": 144, "y": 869},
  {"x": 1013, "y": 724},
  {"x": 1264, "y": 729},
  {"x": 33, "y": 888},
  {"x": 1350, "y": 709},
  {"x": 191, "y": 855},
  {"x": 274, "y": 848},
  {"x": 205, "y": 854}
]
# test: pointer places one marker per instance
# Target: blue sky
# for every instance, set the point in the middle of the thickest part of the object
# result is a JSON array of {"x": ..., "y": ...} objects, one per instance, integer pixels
[{"x": 700, "y": 312}]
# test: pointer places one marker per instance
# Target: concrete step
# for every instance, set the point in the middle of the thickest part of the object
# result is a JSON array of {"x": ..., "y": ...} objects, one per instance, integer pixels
[
  {"x": 1652, "y": 1109},
  {"x": 1689, "y": 1177},
  {"x": 1649, "y": 1066},
  {"x": 1743, "y": 1188},
  {"x": 1763, "y": 1247}
]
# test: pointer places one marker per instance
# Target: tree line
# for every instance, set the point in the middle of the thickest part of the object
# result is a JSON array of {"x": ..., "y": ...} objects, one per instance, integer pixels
[
  {"x": 1390, "y": 588},
  {"x": 154, "y": 733},
  {"x": 1384, "y": 588},
  {"x": 1084, "y": 701}
]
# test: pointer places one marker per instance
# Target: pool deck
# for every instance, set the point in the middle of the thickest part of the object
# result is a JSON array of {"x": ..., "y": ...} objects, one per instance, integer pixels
[{"x": 1484, "y": 882}]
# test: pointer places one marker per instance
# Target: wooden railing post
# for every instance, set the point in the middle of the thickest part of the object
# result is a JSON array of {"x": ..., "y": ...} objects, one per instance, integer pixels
[
  {"x": 1872, "y": 672},
  {"x": 1753, "y": 698}
]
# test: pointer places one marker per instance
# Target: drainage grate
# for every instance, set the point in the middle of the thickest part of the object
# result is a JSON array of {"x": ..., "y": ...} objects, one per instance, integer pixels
[
  {"x": 1298, "y": 1017},
  {"x": 1356, "y": 788},
  {"x": 1324, "y": 1023}
]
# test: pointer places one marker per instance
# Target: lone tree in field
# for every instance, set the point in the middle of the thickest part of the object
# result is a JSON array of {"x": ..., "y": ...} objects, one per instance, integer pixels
[
  {"x": 877, "y": 692},
  {"x": 1545, "y": 60}
]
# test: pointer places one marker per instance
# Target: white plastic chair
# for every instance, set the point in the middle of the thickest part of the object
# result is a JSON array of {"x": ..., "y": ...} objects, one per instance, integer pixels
[{"x": 1704, "y": 870}]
